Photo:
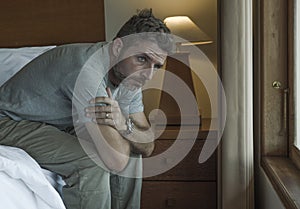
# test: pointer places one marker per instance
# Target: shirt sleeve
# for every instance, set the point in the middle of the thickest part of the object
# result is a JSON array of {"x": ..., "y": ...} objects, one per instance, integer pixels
[
  {"x": 137, "y": 103},
  {"x": 130, "y": 101},
  {"x": 82, "y": 87}
]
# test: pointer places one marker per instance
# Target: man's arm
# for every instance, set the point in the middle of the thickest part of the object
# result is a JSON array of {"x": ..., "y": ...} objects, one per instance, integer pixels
[
  {"x": 142, "y": 137},
  {"x": 112, "y": 148}
]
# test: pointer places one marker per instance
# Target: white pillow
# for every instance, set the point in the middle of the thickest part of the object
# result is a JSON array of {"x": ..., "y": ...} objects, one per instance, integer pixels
[{"x": 13, "y": 59}]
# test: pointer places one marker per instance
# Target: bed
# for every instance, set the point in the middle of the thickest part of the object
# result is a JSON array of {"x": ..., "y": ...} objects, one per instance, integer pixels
[{"x": 28, "y": 29}]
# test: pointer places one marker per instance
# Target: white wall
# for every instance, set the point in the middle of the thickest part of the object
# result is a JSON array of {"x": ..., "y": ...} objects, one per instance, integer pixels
[{"x": 202, "y": 12}]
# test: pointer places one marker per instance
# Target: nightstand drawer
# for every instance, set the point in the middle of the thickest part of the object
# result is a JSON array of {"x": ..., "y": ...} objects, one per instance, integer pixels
[
  {"x": 179, "y": 195},
  {"x": 188, "y": 169}
]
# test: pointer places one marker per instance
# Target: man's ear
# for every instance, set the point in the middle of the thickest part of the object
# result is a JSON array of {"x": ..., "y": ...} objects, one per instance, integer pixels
[{"x": 117, "y": 46}]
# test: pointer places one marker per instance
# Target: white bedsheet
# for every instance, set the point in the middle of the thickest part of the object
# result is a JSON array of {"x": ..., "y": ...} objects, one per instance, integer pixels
[{"x": 22, "y": 183}]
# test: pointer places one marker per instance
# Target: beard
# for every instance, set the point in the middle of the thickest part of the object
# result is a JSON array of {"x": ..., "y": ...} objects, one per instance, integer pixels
[
  {"x": 120, "y": 76},
  {"x": 127, "y": 81}
]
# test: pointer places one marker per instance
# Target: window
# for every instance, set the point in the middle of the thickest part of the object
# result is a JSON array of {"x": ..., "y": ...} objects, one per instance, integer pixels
[
  {"x": 297, "y": 73},
  {"x": 293, "y": 82},
  {"x": 279, "y": 96}
]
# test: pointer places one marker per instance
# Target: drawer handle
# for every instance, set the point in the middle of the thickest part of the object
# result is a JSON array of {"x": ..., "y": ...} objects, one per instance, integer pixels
[{"x": 170, "y": 202}]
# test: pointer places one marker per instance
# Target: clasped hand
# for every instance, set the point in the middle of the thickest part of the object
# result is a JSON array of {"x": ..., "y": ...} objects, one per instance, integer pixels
[{"x": 106, "y": 111}]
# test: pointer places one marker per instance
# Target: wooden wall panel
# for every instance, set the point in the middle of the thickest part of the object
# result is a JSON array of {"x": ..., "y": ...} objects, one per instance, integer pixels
[
  {"x": 274, "y": 43},
  {"x": 47, "y": 22}
]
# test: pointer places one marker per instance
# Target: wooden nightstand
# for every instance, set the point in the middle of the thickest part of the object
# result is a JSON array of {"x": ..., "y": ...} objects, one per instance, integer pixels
[{"x": 189, "y": 185}]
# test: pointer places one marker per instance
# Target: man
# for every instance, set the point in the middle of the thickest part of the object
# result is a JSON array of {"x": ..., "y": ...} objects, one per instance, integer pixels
[{"x": 96, "y": 90}]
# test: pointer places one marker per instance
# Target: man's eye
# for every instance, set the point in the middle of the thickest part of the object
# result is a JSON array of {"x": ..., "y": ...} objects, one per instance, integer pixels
[{"x": 141, "y": 59}]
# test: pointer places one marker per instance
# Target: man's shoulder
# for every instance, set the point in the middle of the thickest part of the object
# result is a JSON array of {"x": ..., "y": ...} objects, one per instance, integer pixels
[{"x": 74, "y": 52}]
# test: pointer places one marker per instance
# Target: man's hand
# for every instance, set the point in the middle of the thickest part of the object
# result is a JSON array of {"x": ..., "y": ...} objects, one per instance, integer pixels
[{"x": 106, "y": 111}]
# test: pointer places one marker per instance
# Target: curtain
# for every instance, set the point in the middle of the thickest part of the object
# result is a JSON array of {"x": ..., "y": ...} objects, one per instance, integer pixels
[{"x": 237, "y": 156}]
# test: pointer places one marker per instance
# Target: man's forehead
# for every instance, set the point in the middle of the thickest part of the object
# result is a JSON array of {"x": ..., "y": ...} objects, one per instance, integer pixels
[
  {"x": 146, "y": 45},
  {"x": 149, "y": 48}
]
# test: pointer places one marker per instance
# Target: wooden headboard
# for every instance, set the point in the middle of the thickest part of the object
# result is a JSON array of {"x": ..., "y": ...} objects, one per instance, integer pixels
[{"x": 51, "y": 22}]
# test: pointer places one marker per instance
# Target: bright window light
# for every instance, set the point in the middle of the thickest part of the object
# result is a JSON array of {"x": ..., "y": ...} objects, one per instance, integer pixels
[{"x": 297, "y": 73}]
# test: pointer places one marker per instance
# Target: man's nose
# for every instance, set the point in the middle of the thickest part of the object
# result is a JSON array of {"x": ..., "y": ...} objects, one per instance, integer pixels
[{"x": 148, "y": 73}]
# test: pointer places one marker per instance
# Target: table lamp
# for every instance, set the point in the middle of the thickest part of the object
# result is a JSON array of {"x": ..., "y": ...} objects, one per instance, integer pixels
[{"x": 185, "y": 28}]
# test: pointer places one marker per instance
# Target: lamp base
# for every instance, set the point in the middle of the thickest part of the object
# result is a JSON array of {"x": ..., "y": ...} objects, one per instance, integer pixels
[{"x": 178, "y": 64}]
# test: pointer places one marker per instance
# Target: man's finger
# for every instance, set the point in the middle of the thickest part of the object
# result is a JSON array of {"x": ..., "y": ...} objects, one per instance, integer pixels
[
  {"x": 101, "y": 101},
  {"x": 108, "y": 92},
  {"x": 95, "y": 109}
]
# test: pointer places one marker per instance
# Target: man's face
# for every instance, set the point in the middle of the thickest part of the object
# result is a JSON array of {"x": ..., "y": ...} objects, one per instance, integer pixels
[{"x": 138, "y": 63}]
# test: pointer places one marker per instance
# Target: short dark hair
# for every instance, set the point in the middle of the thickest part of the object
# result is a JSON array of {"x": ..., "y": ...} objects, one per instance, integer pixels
[{"x": 146, "y": 22}]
